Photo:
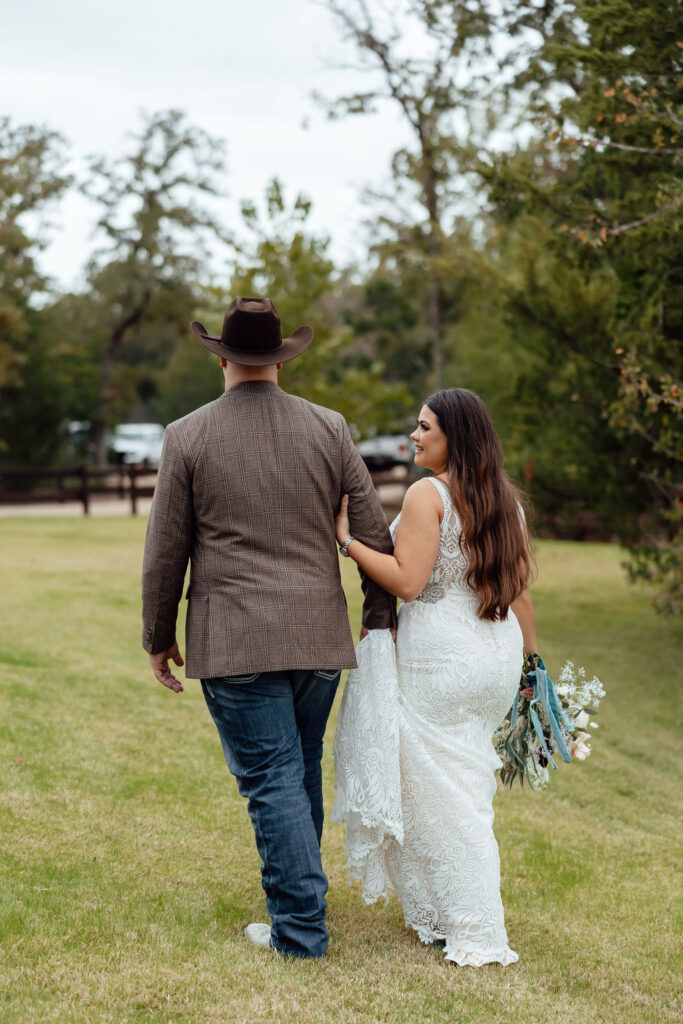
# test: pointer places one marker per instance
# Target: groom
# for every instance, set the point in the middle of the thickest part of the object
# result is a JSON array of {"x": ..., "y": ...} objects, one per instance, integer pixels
[{"x": 247, "y": 490}]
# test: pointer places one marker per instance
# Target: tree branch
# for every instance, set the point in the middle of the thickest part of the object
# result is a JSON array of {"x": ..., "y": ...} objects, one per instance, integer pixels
[
  {"x": 656, "y": 442},
  {"x": 594, "y": 143},
  {"x": 367, "y": 39},
  {"x": 620, "y": 228}
]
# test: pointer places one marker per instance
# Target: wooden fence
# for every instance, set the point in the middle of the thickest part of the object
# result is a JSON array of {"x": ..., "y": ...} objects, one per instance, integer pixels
[
  {"x": 81, "y": 483},
  {"x": 75, "y": 483}
]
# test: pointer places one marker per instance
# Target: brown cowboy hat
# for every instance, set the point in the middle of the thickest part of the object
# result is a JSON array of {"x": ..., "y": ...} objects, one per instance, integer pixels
[{"x": 252, "y": 334}]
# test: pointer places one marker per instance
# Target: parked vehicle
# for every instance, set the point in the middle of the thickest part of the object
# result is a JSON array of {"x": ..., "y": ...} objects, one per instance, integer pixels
[
  {"x": 137, "y": 442},
  {"x": 77, "y": 446},
  {"x": 386, "y": 451}
]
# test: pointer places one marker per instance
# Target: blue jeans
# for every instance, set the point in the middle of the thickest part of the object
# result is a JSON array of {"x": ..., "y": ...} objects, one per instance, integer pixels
[{"x": 271, "y": 726}]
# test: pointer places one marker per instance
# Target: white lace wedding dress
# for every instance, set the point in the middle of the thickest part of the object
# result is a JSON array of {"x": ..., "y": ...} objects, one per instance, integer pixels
[{"x": 415, "y": 762}]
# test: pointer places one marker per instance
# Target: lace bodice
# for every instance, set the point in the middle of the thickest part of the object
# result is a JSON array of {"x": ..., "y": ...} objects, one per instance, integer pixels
[{"x": 449, "y": 575}]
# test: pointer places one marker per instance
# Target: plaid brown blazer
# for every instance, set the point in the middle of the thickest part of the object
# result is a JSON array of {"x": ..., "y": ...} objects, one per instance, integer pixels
[{"x": 247, "y": 490}]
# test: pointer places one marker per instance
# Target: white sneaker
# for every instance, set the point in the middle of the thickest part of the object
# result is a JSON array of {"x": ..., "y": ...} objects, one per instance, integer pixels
[{"x": 259, "y": 934}]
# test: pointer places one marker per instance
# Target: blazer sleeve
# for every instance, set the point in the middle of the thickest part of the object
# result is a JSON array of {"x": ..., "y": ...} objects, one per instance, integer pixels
[
  {"x": 167, "y": 547},
  {"x": 369, "y": 525}
]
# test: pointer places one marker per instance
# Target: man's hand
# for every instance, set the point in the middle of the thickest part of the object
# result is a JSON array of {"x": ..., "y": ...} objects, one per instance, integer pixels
[{"x": 159, "y": 663}]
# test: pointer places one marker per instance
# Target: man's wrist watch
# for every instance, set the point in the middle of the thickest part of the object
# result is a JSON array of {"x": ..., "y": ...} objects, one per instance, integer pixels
[{"x": 344, "y": 548}]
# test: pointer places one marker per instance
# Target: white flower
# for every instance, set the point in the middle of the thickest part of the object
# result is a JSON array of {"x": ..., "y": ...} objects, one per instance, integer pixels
[
  {"x": 538, "y": 776},
  {"x": 594, "y": 725},
  {"x": 581, "y": 720},
  {"x": 578, "y": 748},
  {"x": 596, "y": 689}
]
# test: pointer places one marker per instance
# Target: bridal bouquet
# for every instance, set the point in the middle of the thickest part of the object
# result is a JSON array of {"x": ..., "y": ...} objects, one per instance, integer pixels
[{"x": 551, "y": 721}]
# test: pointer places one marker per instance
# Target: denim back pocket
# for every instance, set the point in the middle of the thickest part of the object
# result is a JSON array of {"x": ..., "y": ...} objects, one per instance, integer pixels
[
  {"x": 323, "y": 673},
  {"x": 217, "y": 680},
  {"x": 242, "y": 679}
]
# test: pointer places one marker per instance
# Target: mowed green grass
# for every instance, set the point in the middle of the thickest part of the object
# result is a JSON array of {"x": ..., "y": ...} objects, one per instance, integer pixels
[{"x": 128, "y": 868}]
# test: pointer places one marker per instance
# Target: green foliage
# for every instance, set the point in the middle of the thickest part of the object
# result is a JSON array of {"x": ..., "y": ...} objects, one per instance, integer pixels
[
  {"x": 590, "y": 216},
  {"x": 31, "y": 178},
  {"x": 191, "y": 378},
  {"x": 434, "y": 88},
  {"x": 144, "y": 280},
  {"x": 280, "y": 259},
  {"x": 389, "y": 312},
  {"x": 384, "y": 317}
]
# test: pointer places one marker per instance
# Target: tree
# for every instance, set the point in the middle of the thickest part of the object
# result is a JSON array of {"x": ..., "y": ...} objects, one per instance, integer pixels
[
  {"x": 155, "y": 231},
  {"x": 603, "y": 192},
  {"x": 384, "y": 317},
  {"x": 280, "y": 258},
  {"x": 437, "y": 91},
  {"x": 31, "y": 179},
  {"x": 387, "y": 315}
]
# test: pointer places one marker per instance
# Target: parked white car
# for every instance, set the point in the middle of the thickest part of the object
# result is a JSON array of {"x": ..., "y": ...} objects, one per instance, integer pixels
[
  {"x": 137, "y": 442},
  {"x": 386, "y": 451}
]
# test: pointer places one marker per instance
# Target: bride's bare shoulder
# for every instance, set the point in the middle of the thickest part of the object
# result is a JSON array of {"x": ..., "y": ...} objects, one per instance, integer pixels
[{"x": 423, "y": 496}]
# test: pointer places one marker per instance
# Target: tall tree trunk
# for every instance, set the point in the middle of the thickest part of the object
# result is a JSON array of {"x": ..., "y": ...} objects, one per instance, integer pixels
[
  {"x": 435, "y": 325},
  {"x": 434, "y": 301},
  {"x": 111, "y": 352}
]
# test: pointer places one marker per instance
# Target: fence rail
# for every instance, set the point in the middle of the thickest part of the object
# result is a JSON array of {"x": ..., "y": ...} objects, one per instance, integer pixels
[
  {"x": 75, "y": 483},
  {"x": 81, "y": 483}
]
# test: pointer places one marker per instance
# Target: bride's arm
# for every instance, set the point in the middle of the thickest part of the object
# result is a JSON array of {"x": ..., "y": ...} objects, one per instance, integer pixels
[
  {"x": 524, "y": 611},
  {"x": 417, "y": 544}
]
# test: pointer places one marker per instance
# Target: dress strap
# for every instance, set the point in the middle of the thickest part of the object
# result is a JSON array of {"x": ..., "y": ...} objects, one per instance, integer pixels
[
  {"x": 439, "y": 484},
  {"x": 444, "y": 494}
]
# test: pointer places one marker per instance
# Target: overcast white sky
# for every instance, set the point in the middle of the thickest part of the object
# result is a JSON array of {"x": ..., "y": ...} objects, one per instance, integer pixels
[{"x": 242, "y": 69}]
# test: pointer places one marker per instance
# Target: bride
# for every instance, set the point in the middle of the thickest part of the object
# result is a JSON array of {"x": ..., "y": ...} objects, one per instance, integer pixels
[{"x": 414, "y": 757}]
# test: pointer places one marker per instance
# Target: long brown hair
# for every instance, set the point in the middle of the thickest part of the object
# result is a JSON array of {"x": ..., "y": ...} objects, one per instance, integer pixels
[{"x": 493, "y": 537}]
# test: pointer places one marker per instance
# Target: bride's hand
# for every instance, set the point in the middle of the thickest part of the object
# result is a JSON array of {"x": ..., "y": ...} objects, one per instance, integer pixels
[{"x": 341, "y": 521}]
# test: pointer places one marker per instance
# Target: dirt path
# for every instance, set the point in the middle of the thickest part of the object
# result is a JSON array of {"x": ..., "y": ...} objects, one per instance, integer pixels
[
  {"x": 99, "y": 506},
  {"x": 104, "y": 505}
]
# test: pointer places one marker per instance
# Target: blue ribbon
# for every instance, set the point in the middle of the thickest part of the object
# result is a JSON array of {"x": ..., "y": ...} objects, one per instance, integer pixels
[
  {"x": 539, "y": 732},
  {"x": 545, "y": 695}
]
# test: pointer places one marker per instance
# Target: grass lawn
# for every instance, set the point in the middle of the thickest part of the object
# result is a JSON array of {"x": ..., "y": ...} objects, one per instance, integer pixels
[{"x": 128, "y": 865}]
